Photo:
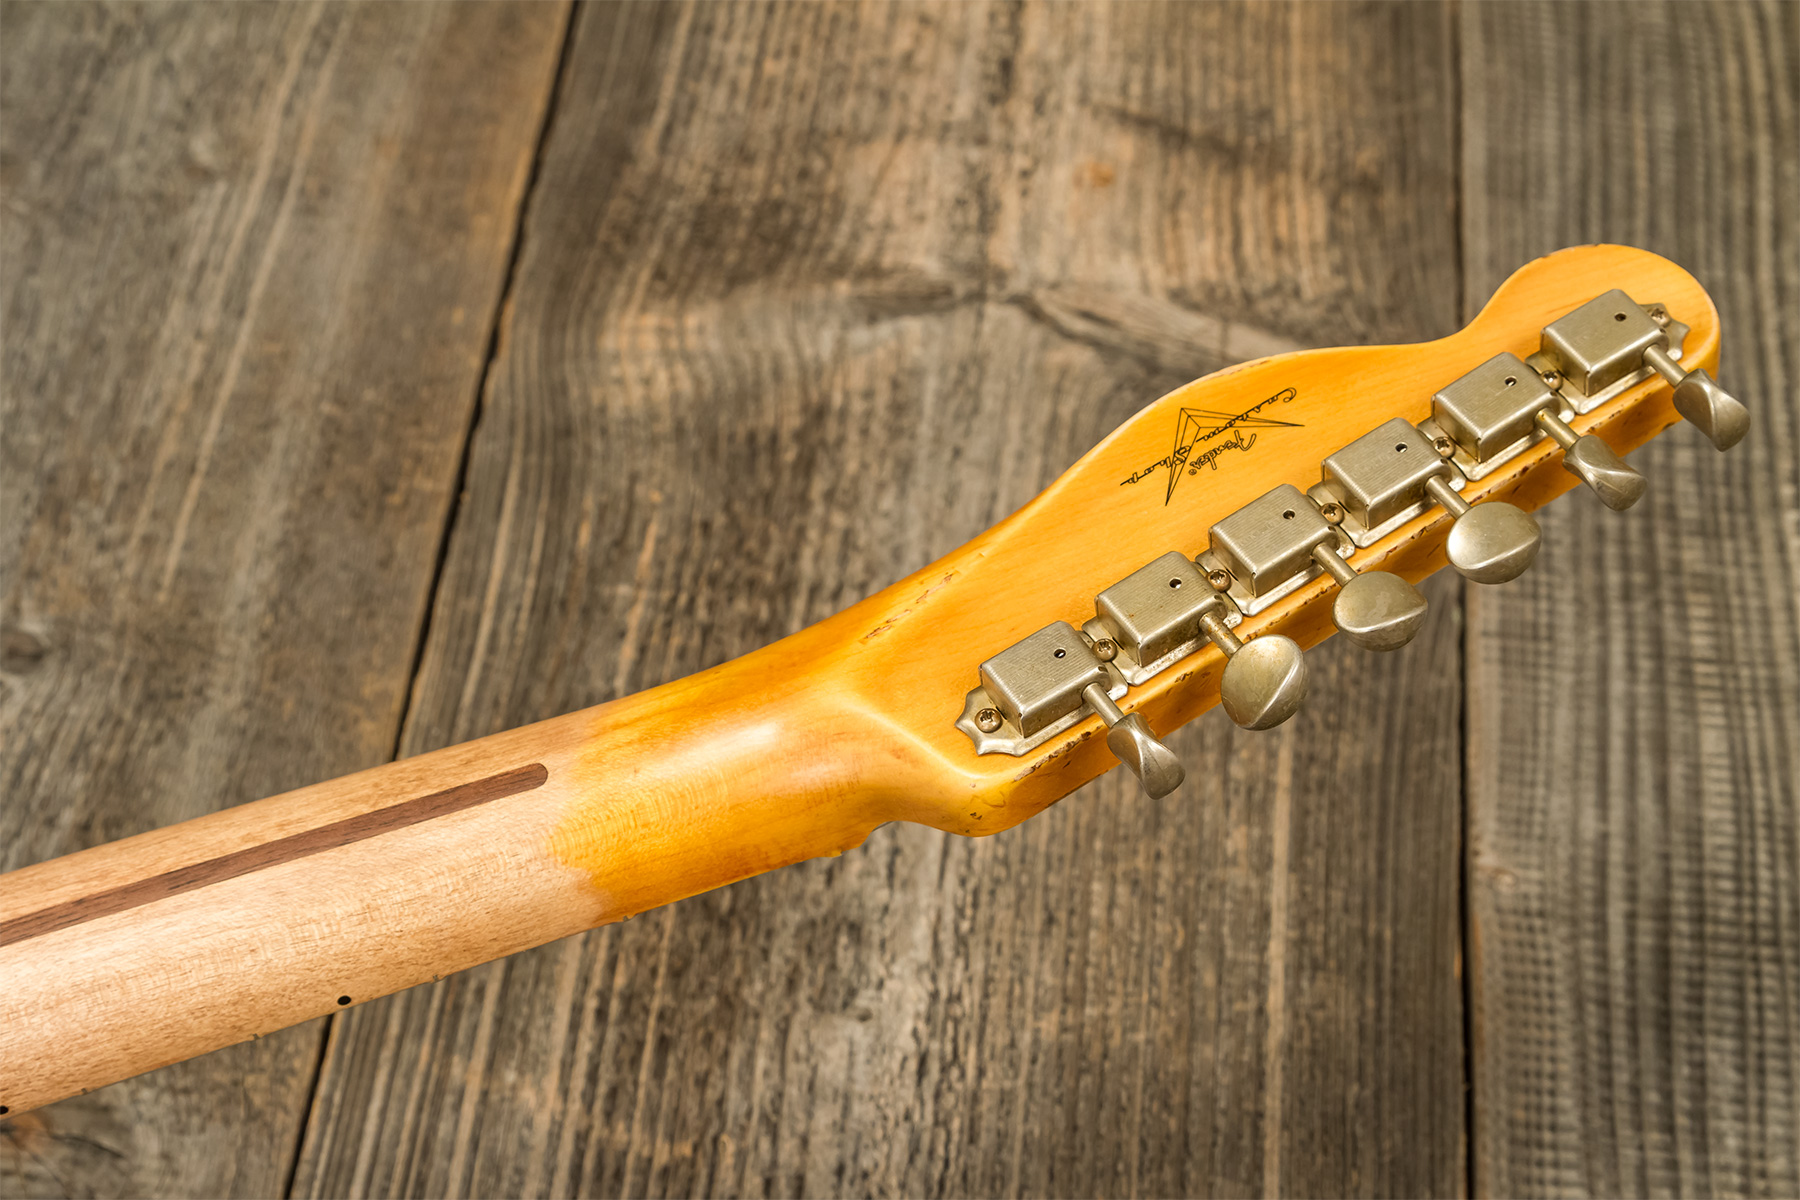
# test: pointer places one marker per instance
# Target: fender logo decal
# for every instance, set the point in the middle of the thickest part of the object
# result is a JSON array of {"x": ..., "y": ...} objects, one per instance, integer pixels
[{"x": 1195, "y": 428}]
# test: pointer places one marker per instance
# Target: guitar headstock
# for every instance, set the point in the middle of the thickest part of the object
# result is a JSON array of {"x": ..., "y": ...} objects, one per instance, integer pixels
[{"x": 1193, "y": 555}]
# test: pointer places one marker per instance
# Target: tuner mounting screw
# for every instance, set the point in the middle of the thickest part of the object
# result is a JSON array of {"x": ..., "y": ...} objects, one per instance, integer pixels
[
  {"x": 1220, "y": 580},
  {"x": 1659, "y": 314},
  {"x": 1106, "y": 649},
  {"x": 987, "y": 720},
  {"x": 1444, "y": 446},
  {"x": 1553, "y": 380},
  {"x": 1333, "y": 512}
]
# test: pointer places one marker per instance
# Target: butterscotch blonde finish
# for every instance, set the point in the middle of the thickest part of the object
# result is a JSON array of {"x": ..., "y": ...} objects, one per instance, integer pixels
[{"x": 147, "y": 951}]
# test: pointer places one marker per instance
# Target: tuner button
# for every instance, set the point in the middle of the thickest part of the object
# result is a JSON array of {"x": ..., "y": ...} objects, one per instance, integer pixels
[
  {"x": 1490, "y": 543},
  {"x": 1494, "y": 409},
  {"x": 1129, "y": 738},
  {"x": 1700, "y": 401},
  {"x": 1376, "y": 609},
  {"x": 1595, "y": 463},
  {"x": 1265, "y": 678},
  {"x": 1719, "y": 415},
  {"x": 1265, "y": 682},
  {"x": 1153, "y": 763}
]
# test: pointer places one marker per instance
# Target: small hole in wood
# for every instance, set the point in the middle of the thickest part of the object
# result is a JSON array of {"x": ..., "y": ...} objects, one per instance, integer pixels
[
  {"x": 4, "y": 1110},
  {"x": 343, "y": 1000}
]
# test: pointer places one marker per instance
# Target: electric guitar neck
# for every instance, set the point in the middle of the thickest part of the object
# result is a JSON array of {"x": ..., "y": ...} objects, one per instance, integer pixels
[{"x": 1186, "y": 561}]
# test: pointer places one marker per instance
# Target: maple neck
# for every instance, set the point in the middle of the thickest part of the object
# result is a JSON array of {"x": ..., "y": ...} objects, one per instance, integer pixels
[
  {"x": 132, "y": 955},
  {"x": 233, "y": 925}
]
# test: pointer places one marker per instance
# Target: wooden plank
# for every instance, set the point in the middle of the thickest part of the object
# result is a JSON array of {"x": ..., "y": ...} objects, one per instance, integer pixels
[
  {"x": 1634, "y": 850},
  {"x": 809, "y": 295},
  {"x": 253, "y": 258}
]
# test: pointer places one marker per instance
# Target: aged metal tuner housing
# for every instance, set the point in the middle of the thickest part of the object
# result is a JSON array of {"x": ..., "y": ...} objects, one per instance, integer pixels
[
  {"x": 1503, "y": 407},
  {"x": 1266, "y": 547},
  {"x": 1488, "y": 414},
  {"x": 1612, "y": 343},
  {"x": 1379, "y": 480},
  {"x": 1282, "y": 540},
  {"x": 1152, "y": 616},
  {"x": 1162, "y": 612},
  {"x": 1032, "y": 690},
  {"x": 1038, "y": 687},
  {"x": 1599, "y": 348},
  {"x": 1395, "y": 472}
]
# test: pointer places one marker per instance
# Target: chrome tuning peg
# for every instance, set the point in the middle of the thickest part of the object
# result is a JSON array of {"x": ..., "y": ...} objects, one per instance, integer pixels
[
  {"x": 1282, "y": 539},
  {"x": 1701, "y": 402},
  {"x": 1038, "y": 687},
  {"x": 1488, "y": 543},
  {"x": 1495, "y": 411},
  {"x": 1161, "y": 612},
  {"x": 1618, "y": 484},
  {"x": 1130, "y": 739},
  {"x": 1265, "y": 678},
  {"x": 1612, "y": 337},
  {"x": 1393, "y": 473},
  {"x": 1377, "y": 610}
]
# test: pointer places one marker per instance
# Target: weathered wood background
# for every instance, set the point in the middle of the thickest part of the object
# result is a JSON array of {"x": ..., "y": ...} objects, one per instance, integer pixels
[{"x": 377, "y": 377}]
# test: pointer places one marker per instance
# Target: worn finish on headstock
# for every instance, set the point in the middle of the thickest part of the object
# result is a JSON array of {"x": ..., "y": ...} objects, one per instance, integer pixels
[
  {"x": 795, "y": 751},
  {"x": 907, "y": 656}
]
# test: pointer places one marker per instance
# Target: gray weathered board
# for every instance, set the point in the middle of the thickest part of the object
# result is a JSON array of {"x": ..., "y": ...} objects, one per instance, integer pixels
[{"x": 379, "y": 377}]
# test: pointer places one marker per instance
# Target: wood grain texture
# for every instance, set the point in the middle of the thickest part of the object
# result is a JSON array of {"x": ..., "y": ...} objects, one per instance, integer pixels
[
  {"x": 1634, "y": 852},
  {"x": 273, "y": 853},
  {"x": 253, "y": 256},
  {"x": 160, "y": 947},
  {"x": 808, "y": 296}
]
